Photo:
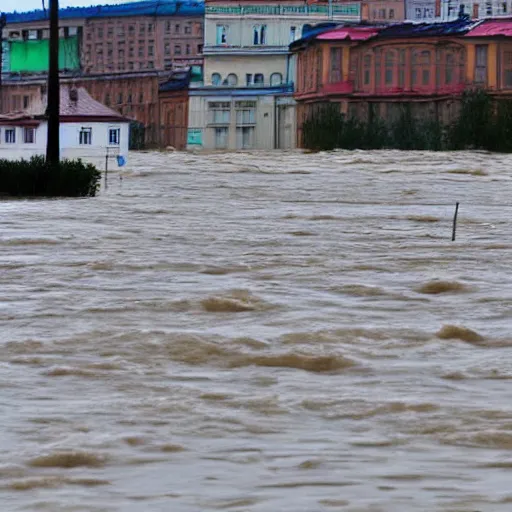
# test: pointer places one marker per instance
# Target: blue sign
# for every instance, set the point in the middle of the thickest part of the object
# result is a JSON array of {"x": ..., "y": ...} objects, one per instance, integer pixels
[{"x": 120, "y": 160}]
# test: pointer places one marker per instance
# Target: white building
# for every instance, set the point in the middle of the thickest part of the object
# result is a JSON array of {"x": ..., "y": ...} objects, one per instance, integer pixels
[
  {"x": 449, "y": 10},
  {"x": 246, "y": 101},
  {"x": 88, "y": 130}
]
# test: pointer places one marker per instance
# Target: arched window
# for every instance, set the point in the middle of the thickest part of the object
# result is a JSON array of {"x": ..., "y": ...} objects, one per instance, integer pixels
[
  {"x": 276, "y": 79},
  {"x": 216, "y": 79},
  {"x": 232, "y": 80},
  {"x": 259, "y": 79},
  {"x": 421, "y": 61}
]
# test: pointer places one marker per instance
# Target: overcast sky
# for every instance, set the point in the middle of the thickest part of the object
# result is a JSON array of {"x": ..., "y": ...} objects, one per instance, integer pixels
[{"x": 30, "y": 5}]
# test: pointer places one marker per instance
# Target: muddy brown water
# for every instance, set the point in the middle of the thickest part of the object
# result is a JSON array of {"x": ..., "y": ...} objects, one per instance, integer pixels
[{"x": 261, "y": 332}]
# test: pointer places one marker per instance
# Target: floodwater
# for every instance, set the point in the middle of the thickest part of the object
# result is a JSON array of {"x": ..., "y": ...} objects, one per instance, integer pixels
[{"x": 261, "y": 332}]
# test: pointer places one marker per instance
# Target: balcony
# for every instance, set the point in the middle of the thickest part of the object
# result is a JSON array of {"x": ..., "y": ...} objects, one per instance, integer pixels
[
  {"x": 226, "y": 49},
  {"x": 348, "y": 12}
]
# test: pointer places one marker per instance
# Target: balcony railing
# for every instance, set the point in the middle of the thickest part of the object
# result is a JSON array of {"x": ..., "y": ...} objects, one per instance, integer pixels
[{"x": 348, "y": 10}]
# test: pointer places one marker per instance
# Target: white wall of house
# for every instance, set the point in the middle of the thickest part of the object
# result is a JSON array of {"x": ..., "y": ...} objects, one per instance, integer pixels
[{"x": 72, "y": 144}]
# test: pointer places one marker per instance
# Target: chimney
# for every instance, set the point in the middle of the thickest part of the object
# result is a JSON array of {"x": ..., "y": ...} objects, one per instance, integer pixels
[{"x": 73, "y": 94}]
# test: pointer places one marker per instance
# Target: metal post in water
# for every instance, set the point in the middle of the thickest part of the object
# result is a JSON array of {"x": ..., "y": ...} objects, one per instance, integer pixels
[
  {"x": 454, "y": 229},
  {"x": 106, "y": 170}
]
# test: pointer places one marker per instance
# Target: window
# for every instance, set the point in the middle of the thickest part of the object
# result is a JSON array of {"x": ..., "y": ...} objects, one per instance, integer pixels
[
  {"x": 29, "y": 135},
  {"x": 335, "y": 65},
  {"x": 382, "y": 14},
  {"x": 259, "y": 34},
  {"x": 367, "y": 68},
  {"x": 417, "y": 13},
  {"x": 425, "y": 72},
  {"x": 293, "y": 34},
  {"x": 507, "y": 69},
  {"x": 248, "y": 79},
  {"x": 177, "y": 28},
  {"x": 131, "y": 51},
  {"x": 232, "y": 80},
  {"x": 216, "y": 79},
  {"x": 187, "y": 49},
  {"x": 401, "y": 68},
  {"x": 85, "y": 136},
  {"x": 449, "y": 67},
  {"x": 107, "y": 99},
  {"x": 245, "y": 112},
  {"x": 245, "y": 137},
  {"x": 177, "y": 49},
  {"x": 167, "y": 48},
  {"x": 131, "y": 66},
  {"x": 150, "y": 28},
  {"x": 26, "y": 101},
  {"x": 259, "y": 79},
  {"x": 131, "y": 31},
  {"x": 151, "y": 64},
  {"x": 141, "y": 51},
  {"x": 504, "y": 7},
  {"x": 120, "y": 98},
  {"x": 114, "y": 136},
  {"x": 188, "y": 28},
  {"x": 222, "y": 34},
  {"x": 167, "y": 26},
  {"x": 141, "y": 97},
  {"x": 151, "y": 51},
  {"x": 129, "y": 99},
  {"x": 481, "y": 64},
  {"x": 276, "y": 79},
  {"x": 10, "y": 136},
  {"x": 391, "y": 14},
  {"x": 110, "y": 31},
  {"x": 100, "y": 32},
  {"x": 199, "y": 49},
  {"x": 221, "y": 138},
  {"x": 389, "y": 64},
  {"x": 219, "y": 112}
]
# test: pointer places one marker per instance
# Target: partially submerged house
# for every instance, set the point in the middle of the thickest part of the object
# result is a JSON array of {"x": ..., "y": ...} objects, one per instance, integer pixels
[{"x": 88, "y": 129}]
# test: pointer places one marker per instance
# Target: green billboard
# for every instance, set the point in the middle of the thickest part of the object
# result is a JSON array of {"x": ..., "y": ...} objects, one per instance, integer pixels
[{"x": 32, "y": 56}]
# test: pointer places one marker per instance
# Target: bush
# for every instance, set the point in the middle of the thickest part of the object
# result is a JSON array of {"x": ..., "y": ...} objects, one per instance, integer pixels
[{"x": 34, "y": 177}]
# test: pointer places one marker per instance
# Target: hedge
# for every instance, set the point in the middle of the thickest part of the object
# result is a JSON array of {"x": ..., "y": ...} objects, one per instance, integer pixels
[{"x": 34, "y": 177}]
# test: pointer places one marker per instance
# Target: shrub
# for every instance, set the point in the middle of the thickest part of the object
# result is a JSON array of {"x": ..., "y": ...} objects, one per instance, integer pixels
[
  {"x": 34, "y": 177},
  {"x": 481, "y": 124}
]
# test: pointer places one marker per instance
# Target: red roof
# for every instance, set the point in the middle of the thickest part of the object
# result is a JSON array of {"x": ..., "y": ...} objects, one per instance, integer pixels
[
  {"x": 352, "y": 33},
  {"x": 492, "y": 28}
]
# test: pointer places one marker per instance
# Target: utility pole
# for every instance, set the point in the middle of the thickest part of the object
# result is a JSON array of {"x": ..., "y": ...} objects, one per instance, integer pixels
[
  {"x": 52, "y": 109},
  {"x": 3, "y": 22}
]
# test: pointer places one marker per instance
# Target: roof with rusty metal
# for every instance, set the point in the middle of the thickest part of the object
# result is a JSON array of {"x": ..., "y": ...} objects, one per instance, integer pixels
[
  {"x": 143, "y": 8},
  {"x": 75, "y": 103},
  {"x": 350, "y": 33},
  {"x": 492, "y": 28}
]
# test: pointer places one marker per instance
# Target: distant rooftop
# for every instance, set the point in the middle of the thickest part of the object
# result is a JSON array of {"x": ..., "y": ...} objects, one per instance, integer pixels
[{"x": 144, "y": 8}]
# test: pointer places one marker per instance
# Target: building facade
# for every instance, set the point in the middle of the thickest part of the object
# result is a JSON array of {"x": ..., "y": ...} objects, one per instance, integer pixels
[
  {"x": 246, "y": 101},
  {"x": 119, "y": 53},
  {"x": 375, "y": 71},
  {"x": 449, "y": 10}
]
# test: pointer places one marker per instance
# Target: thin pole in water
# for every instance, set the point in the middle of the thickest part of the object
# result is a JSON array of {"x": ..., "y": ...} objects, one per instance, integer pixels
[
  {"x": 455, "y": 221},
  {"x": 106, "y": 170}
]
